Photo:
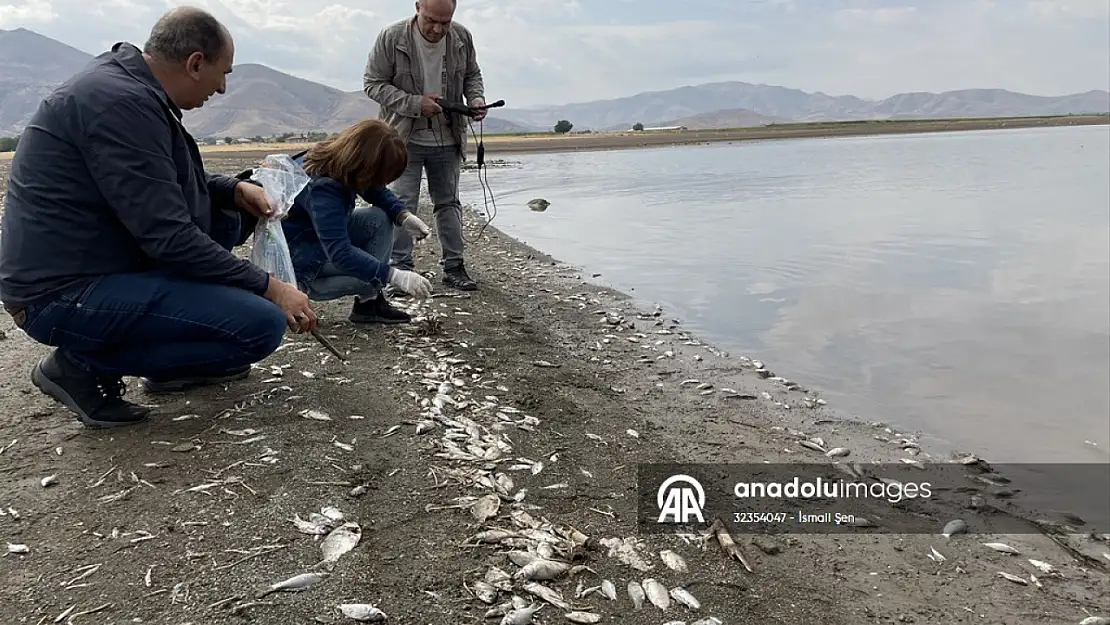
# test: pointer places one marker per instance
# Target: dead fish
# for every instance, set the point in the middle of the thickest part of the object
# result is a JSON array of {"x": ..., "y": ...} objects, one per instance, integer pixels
[
  {"x": 582, "y": 617},
  {"x": 609, "y": 590},
  {"x": 308, "y": 527},
  {"x": 545, "y": 550},
  {"x": 363, "y": 612},
  {"x": 542, "y": 570},
  {"x": 333, "y": 514},
  {"x": 684, "y": 597},
  {"x": 547, "y": 594},
  {"x": 657, "y": 593},
  {"x": 811, "y": 445},
  {"x": 486, "y": 507},
  {"x": 1002, "y": 547},
  {"x": 485, "y": 592},
  {"x": 1013, "y": 578},
  {"x": 341, "y": 540},
  {"x": 953, "y": 528},
  {"x": 491, "y": 537},
  {"x": 521, "y": 616},
  {"x": 673, "y": 560},
  {"x": 1043, "y": 567},
  {"x": 297, "y": 583},
  {"x": 499, "y": 579},
  {"x": 521, "y": 558},
  {"x": 315, "y": 415}
]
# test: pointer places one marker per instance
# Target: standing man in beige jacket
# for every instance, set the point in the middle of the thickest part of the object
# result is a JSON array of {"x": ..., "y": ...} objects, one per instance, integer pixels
[{"x": 413, "y": 62}]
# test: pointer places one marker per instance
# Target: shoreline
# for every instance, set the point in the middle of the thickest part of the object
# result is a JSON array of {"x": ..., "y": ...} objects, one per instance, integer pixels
[
  {"x": 546, "y": 143},
  {"x": 527, "y": 143},
  {"x": 540, "y": 364}
]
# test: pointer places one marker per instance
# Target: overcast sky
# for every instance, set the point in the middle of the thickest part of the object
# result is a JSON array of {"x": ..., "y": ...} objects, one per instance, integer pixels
[{"x": 558, "y": 51}]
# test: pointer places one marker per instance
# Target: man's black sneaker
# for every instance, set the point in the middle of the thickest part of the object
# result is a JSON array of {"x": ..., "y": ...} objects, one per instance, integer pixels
[
  {"x": 96, "y": 400},
  {"x": 456, "y": 277},
  {"x": 183, "y": 384},
  {"x": 377, "y": 310}
]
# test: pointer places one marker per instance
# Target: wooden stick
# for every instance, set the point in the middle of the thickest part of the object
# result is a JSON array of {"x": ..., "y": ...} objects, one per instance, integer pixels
[{"x": 323, "y": 340}]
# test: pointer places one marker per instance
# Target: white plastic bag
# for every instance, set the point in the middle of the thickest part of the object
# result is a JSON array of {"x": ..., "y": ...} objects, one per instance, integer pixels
[{"x": 282, "y": 180}]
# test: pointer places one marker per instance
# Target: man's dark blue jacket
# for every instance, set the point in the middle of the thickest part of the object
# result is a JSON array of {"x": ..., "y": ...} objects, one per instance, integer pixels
[{"x": 106, "y": 180}]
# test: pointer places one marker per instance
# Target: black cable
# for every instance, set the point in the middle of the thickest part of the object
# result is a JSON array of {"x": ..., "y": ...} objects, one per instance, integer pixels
[{"x": 483, "y": 181}]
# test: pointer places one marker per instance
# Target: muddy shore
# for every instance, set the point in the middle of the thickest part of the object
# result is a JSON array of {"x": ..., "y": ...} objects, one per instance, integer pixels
[{"x": 187, "y": 518}]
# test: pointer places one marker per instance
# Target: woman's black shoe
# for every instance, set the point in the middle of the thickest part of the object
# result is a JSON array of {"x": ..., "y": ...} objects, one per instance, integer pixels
[{"x": 377, "y": 310}]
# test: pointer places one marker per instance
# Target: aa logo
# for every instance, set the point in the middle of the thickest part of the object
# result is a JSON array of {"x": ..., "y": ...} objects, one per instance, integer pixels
[{"x": 679, "y": 498}]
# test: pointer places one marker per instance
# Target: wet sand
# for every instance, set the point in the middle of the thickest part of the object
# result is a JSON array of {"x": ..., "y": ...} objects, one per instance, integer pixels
[{"x": 188, "y": 517}]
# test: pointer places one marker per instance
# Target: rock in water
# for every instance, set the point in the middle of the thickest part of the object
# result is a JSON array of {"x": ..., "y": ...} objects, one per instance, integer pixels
[
  {"x": 954, "y": 527},
  {"x": 539, "y": 204}
]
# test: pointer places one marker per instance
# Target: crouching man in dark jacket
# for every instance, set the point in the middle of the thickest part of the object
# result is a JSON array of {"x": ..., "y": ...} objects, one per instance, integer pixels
[{"x": 115, "y": 242}]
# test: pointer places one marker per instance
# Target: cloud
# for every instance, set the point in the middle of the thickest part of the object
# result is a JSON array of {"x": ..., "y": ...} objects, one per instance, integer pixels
[{"x": 557, "y": 51}]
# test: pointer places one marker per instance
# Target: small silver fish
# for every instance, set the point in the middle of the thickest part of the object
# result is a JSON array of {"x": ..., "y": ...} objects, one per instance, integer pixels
[
  {"x": 363, "y": 612},
  {"x": 673, "y": 560},
  {"x": 339, "y": 541},
  {"x": 1002, "y": 547},
  {"x": 485, "y": 592},
  {"x": 1013, "y": 578},
  {"x": 297, "y": 583},
  {"x": 657, "y": 593},
  {"x": 521, "y": 616},
  {"x": 684, "y": 597}
]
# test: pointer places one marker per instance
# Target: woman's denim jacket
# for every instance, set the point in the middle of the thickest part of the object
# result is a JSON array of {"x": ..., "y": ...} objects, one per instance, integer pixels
[{"x": 316, "y": 231}]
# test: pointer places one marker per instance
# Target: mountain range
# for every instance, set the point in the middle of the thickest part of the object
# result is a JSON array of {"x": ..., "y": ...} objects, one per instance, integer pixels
[{"x": 261, "y": 101}]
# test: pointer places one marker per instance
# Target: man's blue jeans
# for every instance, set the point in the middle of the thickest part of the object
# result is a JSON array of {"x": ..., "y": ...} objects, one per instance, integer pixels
[
  {"x": 159, "y": 326},
  {"x": 370, "y": 230}
]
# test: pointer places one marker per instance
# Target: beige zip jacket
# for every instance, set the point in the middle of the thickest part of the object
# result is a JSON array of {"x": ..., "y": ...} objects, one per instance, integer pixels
[{"x": 394, "y": 77}]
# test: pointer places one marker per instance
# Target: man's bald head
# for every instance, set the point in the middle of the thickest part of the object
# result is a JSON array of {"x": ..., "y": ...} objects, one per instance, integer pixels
[
  {"x": 191, "y": 54},
  {"x": 184, "y": 31}
]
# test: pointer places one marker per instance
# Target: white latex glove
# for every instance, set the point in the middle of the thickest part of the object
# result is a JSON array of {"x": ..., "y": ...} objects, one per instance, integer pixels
[
  {"x": 415, "y": 227},
  {"x": 410, "y": 282}
]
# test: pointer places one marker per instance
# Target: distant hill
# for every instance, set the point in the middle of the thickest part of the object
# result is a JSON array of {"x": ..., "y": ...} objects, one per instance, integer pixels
[
  {"x": 796, "y": 105},
  {"x": 30, "y": 66},
  {"x": 261, "y": 101}
]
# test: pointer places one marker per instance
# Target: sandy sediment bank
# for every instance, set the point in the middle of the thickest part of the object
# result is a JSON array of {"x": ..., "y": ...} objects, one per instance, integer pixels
[
  {"x": 575, "y": 142},
  {"x": 535, "y": 398},
  {"x": 612, "y": 140}
]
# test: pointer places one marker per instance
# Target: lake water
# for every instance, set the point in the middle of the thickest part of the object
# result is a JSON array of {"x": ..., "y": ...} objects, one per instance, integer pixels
[{"x": 956, "y": 284}]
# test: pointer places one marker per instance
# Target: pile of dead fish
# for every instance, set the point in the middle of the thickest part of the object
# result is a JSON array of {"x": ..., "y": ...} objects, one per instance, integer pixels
[{"x": 469, "y": 427}]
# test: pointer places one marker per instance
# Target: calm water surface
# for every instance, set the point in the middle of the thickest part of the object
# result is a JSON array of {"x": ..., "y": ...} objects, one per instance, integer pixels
[{"x": 957, "y": 283}]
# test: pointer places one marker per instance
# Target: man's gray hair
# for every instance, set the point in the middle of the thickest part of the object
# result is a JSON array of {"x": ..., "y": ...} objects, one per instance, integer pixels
[{"x": 183, "y": 31}]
